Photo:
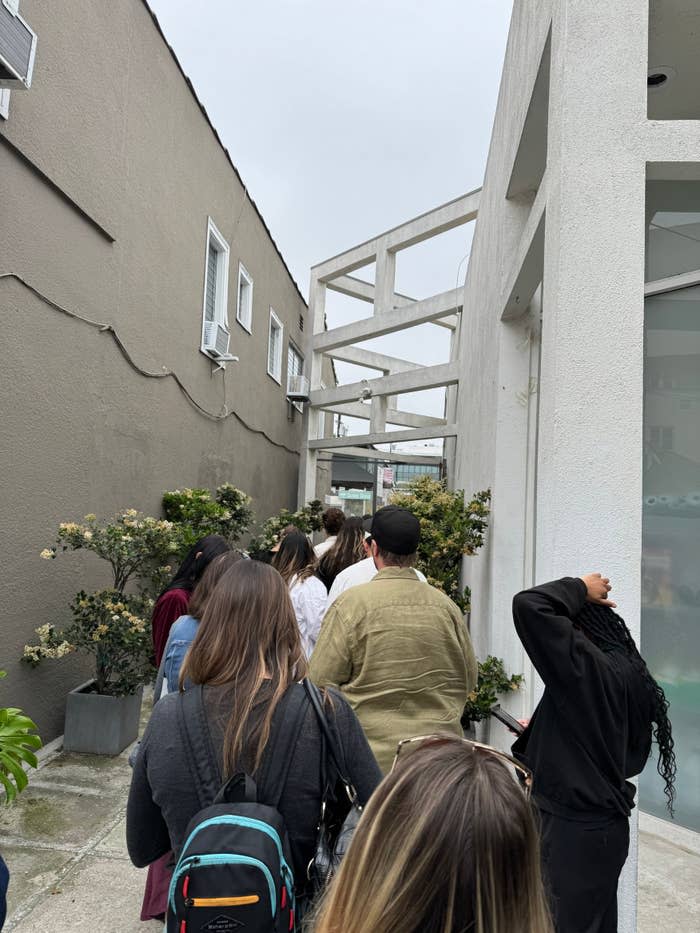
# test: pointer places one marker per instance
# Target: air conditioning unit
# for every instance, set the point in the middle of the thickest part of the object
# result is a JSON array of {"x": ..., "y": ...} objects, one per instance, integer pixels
[
  {"x": 17, "y": 47},
  {"x": 297, "y": 389},
  {"x": 216, "y": 339}
]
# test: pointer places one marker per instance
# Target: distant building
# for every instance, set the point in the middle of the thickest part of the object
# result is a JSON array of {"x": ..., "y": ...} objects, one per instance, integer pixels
[{"x": 120, "y": 205}]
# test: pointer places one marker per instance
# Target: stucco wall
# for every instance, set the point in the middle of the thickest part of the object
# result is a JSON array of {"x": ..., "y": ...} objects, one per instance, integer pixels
[{"x": 111, "y": 121}]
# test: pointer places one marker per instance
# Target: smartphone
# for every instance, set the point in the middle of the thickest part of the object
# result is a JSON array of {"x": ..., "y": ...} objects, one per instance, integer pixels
[{"x": 508, "y": 721}]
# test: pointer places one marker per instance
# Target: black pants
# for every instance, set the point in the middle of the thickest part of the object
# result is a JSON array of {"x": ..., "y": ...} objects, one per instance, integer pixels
[{"x": 582, "y": 863}]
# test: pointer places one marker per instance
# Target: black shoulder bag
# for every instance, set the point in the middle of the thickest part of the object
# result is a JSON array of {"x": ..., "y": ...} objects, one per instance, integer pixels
[{"x": 334, "y": 833}]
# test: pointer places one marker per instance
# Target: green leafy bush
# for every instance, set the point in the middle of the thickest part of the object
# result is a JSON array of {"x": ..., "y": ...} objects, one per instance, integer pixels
[
  {"x": 450, "y": 528},
  {"x": 18, "y": 744},
  {"x": 113, "y": 628},
  {"x": 493, "y": 682},
  {"x": 306, "y": 519},
  {"x": 111, "y": 624},
  {"x": 197, "y": 513}
]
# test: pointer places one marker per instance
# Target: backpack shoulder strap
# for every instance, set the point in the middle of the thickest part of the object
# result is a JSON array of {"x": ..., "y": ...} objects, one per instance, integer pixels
[
  {"x": 194, "y": 729},
  {"x": 287, "y": 723}
]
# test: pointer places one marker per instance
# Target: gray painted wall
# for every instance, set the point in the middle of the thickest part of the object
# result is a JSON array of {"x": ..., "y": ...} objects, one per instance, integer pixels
[{"x": 111, "y": 122}]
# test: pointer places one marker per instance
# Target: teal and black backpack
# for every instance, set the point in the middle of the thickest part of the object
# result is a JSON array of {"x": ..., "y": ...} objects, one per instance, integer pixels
[{"x": 234, "y": 872}]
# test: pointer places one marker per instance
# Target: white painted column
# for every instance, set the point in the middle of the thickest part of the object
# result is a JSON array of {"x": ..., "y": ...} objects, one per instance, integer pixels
[
  {"x": 385, "y": 277},
  {"x": 589, "y": 496}
]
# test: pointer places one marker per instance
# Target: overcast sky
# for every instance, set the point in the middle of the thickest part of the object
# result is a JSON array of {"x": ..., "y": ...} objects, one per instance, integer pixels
[{"x": 346, "y": 119}]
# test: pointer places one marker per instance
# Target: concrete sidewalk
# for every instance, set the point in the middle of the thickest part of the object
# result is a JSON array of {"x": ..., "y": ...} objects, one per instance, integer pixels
[{"x": 64, "y": 841}]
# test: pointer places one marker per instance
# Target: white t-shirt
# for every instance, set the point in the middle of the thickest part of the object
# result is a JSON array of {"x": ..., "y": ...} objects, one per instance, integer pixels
[
  {"x": 361, "y": 572},
  {"x": 324, "y": 546},
  {"x": 309, "y": 601}
]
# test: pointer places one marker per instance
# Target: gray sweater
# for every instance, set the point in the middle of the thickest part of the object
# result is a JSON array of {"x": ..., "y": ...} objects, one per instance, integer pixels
[{"x": 162, "y": 799}]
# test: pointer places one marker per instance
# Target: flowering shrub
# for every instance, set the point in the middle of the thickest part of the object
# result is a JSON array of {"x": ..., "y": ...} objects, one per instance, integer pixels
[
  {"x": 196, "y": 513},
  {"x": 449, "y": 529},
  {"x": 306, "y": 519},
  {"x": 135, "y": 545},
  {"x": 492, "y": 682},
  {"x": 111, "y": 626},
  {"x": 18, "y": 743}
]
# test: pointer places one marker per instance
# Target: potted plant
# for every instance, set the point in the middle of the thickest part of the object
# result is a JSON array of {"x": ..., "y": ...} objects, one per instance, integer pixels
[
  {"x": 18, "y": 744},
  {"x": 102, "y": 715},
  {"x": 492, "y": 682}
]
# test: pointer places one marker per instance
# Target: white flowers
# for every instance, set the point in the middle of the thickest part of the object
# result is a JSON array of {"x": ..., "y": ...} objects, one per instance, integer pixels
[{"x": 48, "y": 553}]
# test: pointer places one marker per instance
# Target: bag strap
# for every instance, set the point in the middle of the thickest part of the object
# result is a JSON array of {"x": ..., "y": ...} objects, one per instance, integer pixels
[
  {"x": 201, "y": 759},
  {"x": 287, "y": 723},
  {"x": 316, "y": 701}
]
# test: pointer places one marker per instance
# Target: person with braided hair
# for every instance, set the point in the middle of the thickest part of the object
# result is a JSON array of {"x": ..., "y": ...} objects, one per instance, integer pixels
[{"x": 591, "y": 732}]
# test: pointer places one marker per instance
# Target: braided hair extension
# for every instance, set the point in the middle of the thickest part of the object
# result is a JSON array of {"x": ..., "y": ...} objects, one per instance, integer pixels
[{"x": 610, "y": 633}]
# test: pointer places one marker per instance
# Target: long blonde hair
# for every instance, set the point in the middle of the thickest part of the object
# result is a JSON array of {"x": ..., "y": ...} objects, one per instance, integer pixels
[
  {"x": 447, "y": 844},
  {"x": 248, "y": 639}
]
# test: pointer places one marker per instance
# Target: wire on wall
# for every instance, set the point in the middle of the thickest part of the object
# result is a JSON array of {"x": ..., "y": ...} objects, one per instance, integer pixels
[{"x": 165, "y": 374}]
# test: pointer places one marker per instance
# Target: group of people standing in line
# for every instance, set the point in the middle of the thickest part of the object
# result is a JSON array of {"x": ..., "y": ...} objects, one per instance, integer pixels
[{"x": 455, "y": 836}]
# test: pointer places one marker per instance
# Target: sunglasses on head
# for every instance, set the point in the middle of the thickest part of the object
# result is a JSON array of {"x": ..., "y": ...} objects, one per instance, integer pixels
[{"x": 522, "y": 774}]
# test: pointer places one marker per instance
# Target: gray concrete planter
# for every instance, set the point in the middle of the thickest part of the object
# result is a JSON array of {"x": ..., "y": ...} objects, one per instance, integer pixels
[{"x": 100, "y": 725}]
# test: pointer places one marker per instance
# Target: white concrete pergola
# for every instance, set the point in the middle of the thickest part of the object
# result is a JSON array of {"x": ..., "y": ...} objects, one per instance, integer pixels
[{"x": 392, "y": 312}]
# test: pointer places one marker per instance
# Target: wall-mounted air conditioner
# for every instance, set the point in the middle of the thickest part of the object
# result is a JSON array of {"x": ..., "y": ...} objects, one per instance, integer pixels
[
  {"x": 17, "y": 47},
  {"x": 297, "y": 388},
  {"x": 216, "y": 339}
]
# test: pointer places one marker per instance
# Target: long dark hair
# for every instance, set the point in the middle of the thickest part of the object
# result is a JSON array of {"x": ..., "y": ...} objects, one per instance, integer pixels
[
  {"x": 248, "y": 639},
  {"x": 196, "y": 561},
  {"x": 211, "y": 576},
  {"x": 610, "y": 633},
  {"x": 295, "y": 557},
  {"x": 450, "y": 834},
  {"x": 346, "y": 550}
]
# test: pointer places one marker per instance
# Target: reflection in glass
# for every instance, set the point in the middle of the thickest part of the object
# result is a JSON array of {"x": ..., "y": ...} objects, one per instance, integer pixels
[{"x": 671, "y": 544}]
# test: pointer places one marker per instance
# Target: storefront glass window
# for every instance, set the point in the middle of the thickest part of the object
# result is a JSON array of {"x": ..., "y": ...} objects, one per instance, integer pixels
[{"x": 671, "y": 543}]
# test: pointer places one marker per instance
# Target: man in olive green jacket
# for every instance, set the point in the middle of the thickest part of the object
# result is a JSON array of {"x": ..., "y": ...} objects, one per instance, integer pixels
[{"x": 397, "y": 648}]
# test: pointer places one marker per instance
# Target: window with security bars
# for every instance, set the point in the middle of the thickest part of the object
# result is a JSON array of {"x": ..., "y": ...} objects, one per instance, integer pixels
[
  {"x": 274, "y": 348},
  {"x": 215, "y": 333}
]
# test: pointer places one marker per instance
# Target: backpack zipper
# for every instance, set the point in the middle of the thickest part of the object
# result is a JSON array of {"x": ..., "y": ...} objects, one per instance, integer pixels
[
  {"x": 223, "y": 859},
  {"x": 222, "y": 901}
]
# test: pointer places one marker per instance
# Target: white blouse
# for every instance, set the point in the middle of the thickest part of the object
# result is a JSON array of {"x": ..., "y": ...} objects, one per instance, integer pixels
[{"x": 309, "y": 601}]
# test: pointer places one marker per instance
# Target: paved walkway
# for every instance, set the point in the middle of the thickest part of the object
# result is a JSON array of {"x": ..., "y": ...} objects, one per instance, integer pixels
[{"x": 64, "y": 842}]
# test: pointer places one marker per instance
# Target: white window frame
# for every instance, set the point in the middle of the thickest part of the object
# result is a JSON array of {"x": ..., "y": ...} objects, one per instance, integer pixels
[
  {"x": 5, "y": 103},
  {"x": 221, "y": 294},
  {"x": 293, "y": 348},
  {"x": 244, "y": 275},
  {"x": 276, "y": 375}
]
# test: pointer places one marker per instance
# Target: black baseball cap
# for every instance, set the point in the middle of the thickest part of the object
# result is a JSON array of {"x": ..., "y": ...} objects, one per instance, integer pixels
[{"x": 396, "y": 530}]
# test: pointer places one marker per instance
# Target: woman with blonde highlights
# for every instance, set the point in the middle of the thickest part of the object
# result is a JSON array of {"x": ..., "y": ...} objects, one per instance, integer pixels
[
  {"x": 248, "y": 658},
  {"x": 447, "y": 844}
]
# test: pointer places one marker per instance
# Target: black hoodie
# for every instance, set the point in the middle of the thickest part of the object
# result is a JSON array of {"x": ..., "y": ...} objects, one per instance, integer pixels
[{"x": 591, "y": 730}]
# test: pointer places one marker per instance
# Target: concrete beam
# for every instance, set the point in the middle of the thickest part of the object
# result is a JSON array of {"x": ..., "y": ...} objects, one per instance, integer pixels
[
  {"x": 406, "y": 419},
  {"x": 364, "y": 291},
  {"x": 372, "y": 360},
  {"x": 443, "y": 218},
  {"x": 384, "y": 456},
  {"x": 384, "y": 437},
  {"x": 422, "y": 312},
  {"x": 522, "y": 279},
  {"x": 429, "y": 377}
]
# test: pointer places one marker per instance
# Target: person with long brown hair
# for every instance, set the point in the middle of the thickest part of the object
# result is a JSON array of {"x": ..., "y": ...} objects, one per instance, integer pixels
[
  {"x": 346, "y": 550},
  {"x": 248, "y": 657},
  {"x": 447, "y": 844},
  {"x": 296, "y": 564}
]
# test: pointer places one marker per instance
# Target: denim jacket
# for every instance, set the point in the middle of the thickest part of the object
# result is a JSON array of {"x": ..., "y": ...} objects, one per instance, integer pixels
[{"x": 181, "y": 636}]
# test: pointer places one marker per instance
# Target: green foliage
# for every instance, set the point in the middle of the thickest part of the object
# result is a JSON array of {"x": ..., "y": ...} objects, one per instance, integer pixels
[
  {"x": 306, "y": 519},
  {"x": 110, "y": 626},
  {"x": 196, "y": 513},
  {"x": 18, "y": 744},
  {"x": 450, "y": 529},
  {"x": 134, "y": 545},
  {"x": 493, "y": 681}
]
